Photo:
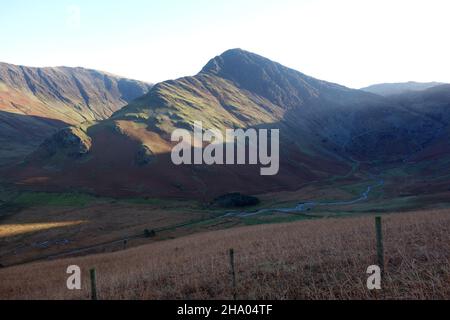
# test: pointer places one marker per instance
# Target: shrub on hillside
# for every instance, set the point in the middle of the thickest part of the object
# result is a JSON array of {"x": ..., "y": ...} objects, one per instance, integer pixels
[
  {"x": 149, "y": 233},
  {"x": 236, "y": 199}
]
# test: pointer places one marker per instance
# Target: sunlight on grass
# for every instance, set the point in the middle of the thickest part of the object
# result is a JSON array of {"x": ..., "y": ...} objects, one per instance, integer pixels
[{"x": 8, "y": 230}]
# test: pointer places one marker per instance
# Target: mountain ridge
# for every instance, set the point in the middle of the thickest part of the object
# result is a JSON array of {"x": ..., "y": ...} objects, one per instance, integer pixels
[
  {"x": 324, "y": 129},
  {"x": 34, "y": 102},
  {"x": 395, "y": 88}
]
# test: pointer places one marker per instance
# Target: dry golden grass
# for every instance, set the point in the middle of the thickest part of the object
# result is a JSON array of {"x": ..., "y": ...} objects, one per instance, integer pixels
[{"x": 317, "y": 259}]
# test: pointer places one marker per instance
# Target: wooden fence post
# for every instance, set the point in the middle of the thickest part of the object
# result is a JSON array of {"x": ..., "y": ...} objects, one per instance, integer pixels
[
  {"x": 233, "y": 273},
  {"x": 93, "y": 284},
  {"x": 380, "y": 248}
]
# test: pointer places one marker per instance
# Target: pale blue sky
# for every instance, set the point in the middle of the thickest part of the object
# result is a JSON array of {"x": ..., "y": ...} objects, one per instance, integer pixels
[{"x": 352, "y": 42}]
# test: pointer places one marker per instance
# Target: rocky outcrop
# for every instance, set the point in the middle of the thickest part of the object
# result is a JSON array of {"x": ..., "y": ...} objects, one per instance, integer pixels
[
  {"x": 144, "y": 156},
  {"x": 71, "y": 141}
]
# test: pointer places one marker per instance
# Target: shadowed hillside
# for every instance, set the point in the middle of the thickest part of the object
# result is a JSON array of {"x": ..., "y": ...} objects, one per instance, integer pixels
[
  {"x": 389, "y": 89},
  {"x": 325, "y": 129},
  {"x": 61, "y": 95},
  {"x": 21, "y": 134}
]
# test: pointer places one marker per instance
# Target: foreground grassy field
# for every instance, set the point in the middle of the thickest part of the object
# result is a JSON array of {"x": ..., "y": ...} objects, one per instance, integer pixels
[{"x": 315, "y": 259}]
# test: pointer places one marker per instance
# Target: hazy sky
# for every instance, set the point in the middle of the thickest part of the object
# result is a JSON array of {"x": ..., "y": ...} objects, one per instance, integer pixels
[{"x": 354, "y": 43}]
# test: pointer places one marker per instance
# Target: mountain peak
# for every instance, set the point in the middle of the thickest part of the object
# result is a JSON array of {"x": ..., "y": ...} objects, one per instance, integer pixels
[
  {"x": 233, "y": 60},
  {"x": 279, "y": 84}
]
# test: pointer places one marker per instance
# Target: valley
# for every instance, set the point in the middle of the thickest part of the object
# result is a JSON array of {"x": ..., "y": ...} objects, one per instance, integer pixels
[
  {"x": 82, "y": 224},
  {"x": 87, "y": 176}
]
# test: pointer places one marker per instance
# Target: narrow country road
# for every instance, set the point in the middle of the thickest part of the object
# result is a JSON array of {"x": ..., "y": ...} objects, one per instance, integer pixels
[{"x": 304, "y": 206}]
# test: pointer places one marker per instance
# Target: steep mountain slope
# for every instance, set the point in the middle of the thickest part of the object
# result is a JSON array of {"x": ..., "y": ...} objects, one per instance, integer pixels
[
  {"x": 34, "y": 102},
  {"x": 352, "y": 122},
  {"x": 324, "y": 129},
  {"x": 433, "y": 158},
  {"x": 389, "y": 89}
]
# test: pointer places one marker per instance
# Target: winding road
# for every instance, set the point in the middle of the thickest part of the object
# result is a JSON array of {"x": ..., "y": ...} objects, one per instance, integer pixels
[{"x": 305, "y": 206}]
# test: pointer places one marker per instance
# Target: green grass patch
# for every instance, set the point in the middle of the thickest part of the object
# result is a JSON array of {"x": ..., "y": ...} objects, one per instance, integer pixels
[
  {"x": 358, "y": 188},
  {"x": 163, "y": 203}
]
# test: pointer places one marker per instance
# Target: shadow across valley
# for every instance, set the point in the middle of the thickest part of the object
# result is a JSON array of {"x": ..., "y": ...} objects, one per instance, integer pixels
[{"x": 22, "y": 134}]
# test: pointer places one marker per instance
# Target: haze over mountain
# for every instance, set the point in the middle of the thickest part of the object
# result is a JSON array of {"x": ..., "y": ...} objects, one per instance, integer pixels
[
  {"x": 389, "y": 89},
  {"x": 34, "y": 102}
]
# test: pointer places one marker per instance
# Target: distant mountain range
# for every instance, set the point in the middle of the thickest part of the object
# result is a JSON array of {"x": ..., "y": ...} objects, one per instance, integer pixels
[
  {"x": 34, "y": 102},
  {"x": 325, "y": 129},
  {"x": 389, "y": 89}
]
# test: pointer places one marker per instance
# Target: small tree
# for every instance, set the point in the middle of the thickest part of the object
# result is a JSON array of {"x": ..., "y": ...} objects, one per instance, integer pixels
[{"x": 149, "y": 233}]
